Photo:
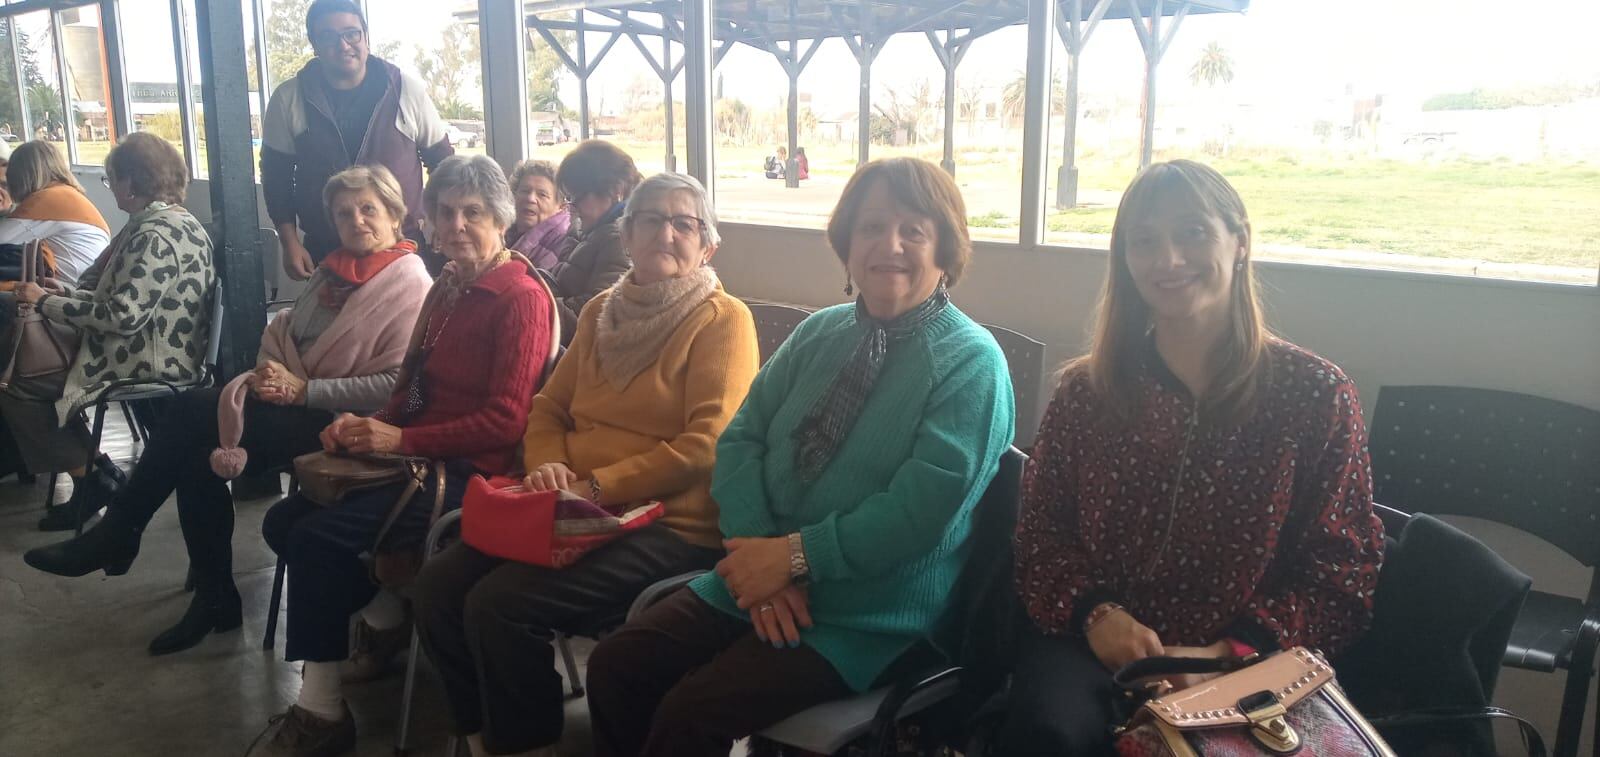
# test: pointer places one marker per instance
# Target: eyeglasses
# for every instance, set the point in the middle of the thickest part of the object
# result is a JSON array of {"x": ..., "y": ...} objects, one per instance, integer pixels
[
  {"x": 351, "y": 37},
  {"x": 650, "y": 223}
]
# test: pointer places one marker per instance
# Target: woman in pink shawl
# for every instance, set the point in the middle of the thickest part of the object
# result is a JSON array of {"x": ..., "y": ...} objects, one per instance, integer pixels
[
  {"x": 540, "y": 231},
  {"x": 338, "y": 350}
]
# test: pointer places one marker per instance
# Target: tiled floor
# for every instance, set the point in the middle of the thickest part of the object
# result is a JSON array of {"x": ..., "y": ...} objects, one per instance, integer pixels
[{"x": 75, "y": 680}]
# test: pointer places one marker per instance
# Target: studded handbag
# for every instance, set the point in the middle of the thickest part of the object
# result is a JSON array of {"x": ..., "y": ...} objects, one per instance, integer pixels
[{"x": 1284, "y": 703}]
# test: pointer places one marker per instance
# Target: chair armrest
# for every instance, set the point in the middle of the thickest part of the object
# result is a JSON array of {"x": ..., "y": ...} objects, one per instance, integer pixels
[
  {"x": 659, "y": 590},
  {"x": 938, "y": 685},
  {"x": 437, "y": 532}
]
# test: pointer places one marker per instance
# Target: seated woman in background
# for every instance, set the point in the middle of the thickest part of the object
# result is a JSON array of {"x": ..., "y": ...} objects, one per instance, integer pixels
[
  {"x": 540, "y": 231},
  {"x": 476, "y": 357},
  {"x": 660, "y": 364},
  {"x": 337, "y": 350},
  {"x": 6, "y": 203},
  {"x": 1199, "y": 487},
  {"x": 51, "y": 206},
  {"x": 597, "y": 176},
  {"x": 143, "y": 311},
  {"x": 846, "y": 485}
]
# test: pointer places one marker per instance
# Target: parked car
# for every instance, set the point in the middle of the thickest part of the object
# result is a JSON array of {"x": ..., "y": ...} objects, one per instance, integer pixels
[{"x": 460, "y": 137}]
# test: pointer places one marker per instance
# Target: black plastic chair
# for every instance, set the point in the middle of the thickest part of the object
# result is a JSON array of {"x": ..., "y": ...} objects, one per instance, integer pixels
[
  {"x": 1527, "y": 462},
  {"x": 1025, "y": 358},
  {"x": 774, "y": 323}
]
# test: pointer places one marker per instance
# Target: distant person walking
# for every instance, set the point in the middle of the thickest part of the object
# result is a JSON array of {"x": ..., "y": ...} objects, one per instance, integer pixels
[{"x": 333, "y": 115}]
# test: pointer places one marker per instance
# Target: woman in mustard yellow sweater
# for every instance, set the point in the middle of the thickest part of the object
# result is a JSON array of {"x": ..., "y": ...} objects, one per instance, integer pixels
[{"x": 659, "y": 365}]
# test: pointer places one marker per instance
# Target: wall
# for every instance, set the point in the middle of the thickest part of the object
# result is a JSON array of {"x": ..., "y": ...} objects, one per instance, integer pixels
[{"x": 1381, "y": 327}]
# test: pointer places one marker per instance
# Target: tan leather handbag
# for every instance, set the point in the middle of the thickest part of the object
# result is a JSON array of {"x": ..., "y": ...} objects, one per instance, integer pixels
[
  {"x": 38, "y": 347},
  {"x": 1285, "y": 703},
  {"x": 326, "y": 478}
]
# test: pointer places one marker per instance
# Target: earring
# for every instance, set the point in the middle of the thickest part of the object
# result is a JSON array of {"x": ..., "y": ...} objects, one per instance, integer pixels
[
  {"x": 849, "y": 286},
  {"x": 1238, "y": 265}
]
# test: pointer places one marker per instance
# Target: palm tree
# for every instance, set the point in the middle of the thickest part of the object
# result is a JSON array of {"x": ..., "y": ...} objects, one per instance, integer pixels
[{"x": 1213, "y": 67}]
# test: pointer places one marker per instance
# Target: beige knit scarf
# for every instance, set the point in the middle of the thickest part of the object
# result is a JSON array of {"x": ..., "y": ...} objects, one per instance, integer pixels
[{"x": 636, "y": 321}]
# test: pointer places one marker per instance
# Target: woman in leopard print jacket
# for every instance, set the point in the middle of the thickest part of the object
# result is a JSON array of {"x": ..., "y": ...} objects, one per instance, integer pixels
[{"x": 142, "y": 309}]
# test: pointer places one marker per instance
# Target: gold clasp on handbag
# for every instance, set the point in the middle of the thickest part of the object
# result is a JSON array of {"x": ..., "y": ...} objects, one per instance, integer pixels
[{"x": 1268, "y": 725}]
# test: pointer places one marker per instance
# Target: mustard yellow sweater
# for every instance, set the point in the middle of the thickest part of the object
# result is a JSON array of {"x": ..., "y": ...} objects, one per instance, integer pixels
[{"x": 657, "y": 438}]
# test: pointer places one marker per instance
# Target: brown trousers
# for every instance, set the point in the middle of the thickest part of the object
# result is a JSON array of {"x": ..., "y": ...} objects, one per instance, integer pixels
[{"x": 687, "y": 680}]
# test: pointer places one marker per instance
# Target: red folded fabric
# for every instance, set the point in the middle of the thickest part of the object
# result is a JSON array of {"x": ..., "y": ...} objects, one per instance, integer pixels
[{"x": 554, "y": 529}]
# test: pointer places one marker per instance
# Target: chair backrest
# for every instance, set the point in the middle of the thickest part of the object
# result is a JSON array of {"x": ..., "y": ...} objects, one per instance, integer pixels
[
  {"x": 774, "y": 323},
  {"x": 214, "y": 333},
  {"x": 1025, "y": 356},
  {"x": 1524, "y": 461},
  {"x": 980, "y": 624}
]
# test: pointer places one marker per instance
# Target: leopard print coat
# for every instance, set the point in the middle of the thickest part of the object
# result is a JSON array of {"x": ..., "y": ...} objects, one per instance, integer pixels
[{"x": 143, "y": 308}]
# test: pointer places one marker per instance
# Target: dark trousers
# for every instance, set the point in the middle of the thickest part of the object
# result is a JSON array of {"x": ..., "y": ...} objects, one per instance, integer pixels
[
  {"x": 1061, "y": 698},
  {"x": 178, "y": 458},
  {"x": 687, "y": 679},
  {"x": 487, "y": 625},
  {"x": 29, "y": 406},
  {"x": 328, "y": 580}
]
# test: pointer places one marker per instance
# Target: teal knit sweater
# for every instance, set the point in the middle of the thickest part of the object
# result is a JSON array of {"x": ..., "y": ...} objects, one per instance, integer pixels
[{"x": 885, "y": 525}]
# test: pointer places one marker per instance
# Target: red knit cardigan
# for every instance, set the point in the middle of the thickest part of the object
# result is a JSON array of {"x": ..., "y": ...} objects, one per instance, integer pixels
[
  {"x": 485, "y": 366},
  {"x": 1262, "y": 532}
]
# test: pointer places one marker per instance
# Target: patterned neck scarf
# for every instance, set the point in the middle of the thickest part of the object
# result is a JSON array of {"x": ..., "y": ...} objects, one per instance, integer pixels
[{"x": 825, "y": 426}]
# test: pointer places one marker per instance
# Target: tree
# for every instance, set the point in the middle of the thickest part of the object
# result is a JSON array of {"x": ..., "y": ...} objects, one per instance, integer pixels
[
  {"x": 1014, "y": 98},
  {"x": 288, "y": 51},
  {"x": 1213, "y": 67},
  {"x": 546, "y": 70},
  {"x": 900, "y": 115},
  {"x": 449, "y": 69}
]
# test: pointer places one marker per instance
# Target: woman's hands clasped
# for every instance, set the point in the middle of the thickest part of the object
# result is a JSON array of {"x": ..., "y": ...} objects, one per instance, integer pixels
[
  {"x": 276, "y": 384},
  {"x": 355, "y": 434},
  {"x": 757, "y": 574}
]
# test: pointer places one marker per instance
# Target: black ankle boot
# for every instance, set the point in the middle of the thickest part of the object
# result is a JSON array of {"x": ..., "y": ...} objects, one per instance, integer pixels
[
  {"x": 89, "y": 494},
  {"x": 108, "y": 546},
  {"x": 205, "y": 614}
]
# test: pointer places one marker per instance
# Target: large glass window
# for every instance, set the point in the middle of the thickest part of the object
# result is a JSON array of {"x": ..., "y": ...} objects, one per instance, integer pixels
[
  {"x": 152, "y": 68},
  {"x": 12, "y": 126},
  {"x": 41, "y": 83},
  {"x": 1471, "y": 149},
  {"x": 426, "y": 39},
  {"x": 972, "y": 50},
  {"x": 88, "y": 84}
]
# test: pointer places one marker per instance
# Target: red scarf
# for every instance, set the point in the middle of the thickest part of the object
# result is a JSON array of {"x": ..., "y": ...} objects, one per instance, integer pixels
[{"x": 350, "y": 271}]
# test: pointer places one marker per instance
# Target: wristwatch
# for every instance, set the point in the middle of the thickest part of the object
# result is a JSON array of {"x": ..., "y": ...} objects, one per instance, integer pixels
[{"x": 799, "y": 569}]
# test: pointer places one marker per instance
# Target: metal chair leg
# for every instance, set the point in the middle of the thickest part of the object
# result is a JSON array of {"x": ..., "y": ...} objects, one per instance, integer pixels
[
  {"x": 1574, "y": 702},
  {"x": 94, "y": 452},
  {"x": 573, "y": 679},
  {"x": 406, "y": 694},
  {"x": 274, "y": 604},
  {"x": 50, "y": 492},
  {"x": 133, "y": 428}
]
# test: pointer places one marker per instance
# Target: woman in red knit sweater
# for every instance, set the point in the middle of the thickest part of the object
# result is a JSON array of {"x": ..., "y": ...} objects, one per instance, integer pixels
[
  {"x": 462, "y": 397},
  {"x": 1199, "y": 487}
]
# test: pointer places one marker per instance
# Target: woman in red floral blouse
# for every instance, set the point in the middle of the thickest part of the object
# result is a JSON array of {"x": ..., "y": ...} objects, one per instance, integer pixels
[{"x": 1198, "y": 487}]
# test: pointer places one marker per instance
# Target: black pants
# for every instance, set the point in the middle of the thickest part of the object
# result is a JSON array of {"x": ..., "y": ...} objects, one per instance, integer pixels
[
  {"x": 487, "y": 625},
  {"x": 177, "y": 458},
  {"x": 328, "y": 581},
  {"x": 1060, "y": 701},
  {"x": 687, "y": 679}
]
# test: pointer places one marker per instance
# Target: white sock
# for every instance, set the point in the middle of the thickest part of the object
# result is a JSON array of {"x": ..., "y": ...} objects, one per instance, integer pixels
[
  {"x": 385, "y": 611},
  {"x": 320, "y": 690}
]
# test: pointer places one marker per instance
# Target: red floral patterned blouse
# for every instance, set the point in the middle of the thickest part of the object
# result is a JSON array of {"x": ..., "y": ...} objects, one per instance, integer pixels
[{"x": 1262, "y": 532}]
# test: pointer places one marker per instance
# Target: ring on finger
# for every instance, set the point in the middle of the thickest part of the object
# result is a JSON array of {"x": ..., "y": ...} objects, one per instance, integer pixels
[{"x": 766, "y": 607}]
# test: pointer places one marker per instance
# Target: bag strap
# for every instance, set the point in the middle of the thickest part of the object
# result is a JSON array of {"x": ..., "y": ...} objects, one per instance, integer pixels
[
  {"x": 1448, "y": 715},
  {"x": 30, "y": 264},
  {"x": 1150, "y": 667},
  {"x": 418, "y": 474}
]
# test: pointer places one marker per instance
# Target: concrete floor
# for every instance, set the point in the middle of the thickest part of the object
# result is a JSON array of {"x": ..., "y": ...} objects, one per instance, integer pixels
[{"x": 75, "y": 680}]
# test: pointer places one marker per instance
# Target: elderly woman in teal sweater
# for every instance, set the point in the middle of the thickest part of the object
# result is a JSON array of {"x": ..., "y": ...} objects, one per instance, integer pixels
[{"x": 846, "y": 485}]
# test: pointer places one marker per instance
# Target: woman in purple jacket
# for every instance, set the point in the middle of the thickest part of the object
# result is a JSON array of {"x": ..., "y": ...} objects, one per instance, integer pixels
[{"x": 540, "y": 231}]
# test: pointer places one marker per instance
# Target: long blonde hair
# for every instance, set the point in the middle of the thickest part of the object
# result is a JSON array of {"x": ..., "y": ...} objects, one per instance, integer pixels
[
  {"x": 36, "y": 165},
  {"x": 1124, "y": 318}
]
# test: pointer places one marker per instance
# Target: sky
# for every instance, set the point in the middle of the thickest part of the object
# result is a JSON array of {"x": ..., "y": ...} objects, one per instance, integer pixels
[{"x": 1280, "y": 48}]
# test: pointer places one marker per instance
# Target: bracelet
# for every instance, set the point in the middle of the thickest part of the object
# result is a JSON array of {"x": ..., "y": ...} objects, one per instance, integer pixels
[
  {"x": 1099, "y": 613},
  {"x": 594, "y": 490}
]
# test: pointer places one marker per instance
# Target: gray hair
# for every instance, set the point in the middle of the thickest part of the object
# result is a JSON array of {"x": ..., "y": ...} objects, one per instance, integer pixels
[
  {"x": 471, "y": 174},
  {"x": 667, "y": 183}
]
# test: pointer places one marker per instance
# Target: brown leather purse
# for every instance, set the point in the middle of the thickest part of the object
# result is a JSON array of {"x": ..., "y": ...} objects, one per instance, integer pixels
[
  {"x": 1279, "y": 704},
  {"x": 327, "y": 478},
  {"x": 38, "y": 347}
]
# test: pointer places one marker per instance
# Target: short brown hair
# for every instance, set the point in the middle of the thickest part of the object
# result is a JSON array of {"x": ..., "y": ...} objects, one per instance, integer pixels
[
  {"x": 542, "y": 168},
  {"x": 152, "y": 166},
  {"x": 36, "y": 165},
  {"x": 921, "y": 187},
  {"x": 374, "y": 177},
  {"x": 597, "y": 167}
]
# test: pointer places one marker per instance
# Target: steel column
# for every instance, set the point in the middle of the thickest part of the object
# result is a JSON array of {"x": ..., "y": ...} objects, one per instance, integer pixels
[
  {"x": 1074, "y": 32},
  {"x": 225, "y": 92},
  {"x": 1036, "y": 109},
  {"x": 120, "y": 115},
  {"x": 180, "y": 47},
  {"x": 698, "y": 119},
  {"x": 502, "y": 45},
  {"x": 583, "y": 80}
]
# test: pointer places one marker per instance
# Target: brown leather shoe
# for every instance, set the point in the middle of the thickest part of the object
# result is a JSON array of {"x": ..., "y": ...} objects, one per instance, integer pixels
[
  {"x": 374, "y": 651},
  {"x": 301, "y": 734}
]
